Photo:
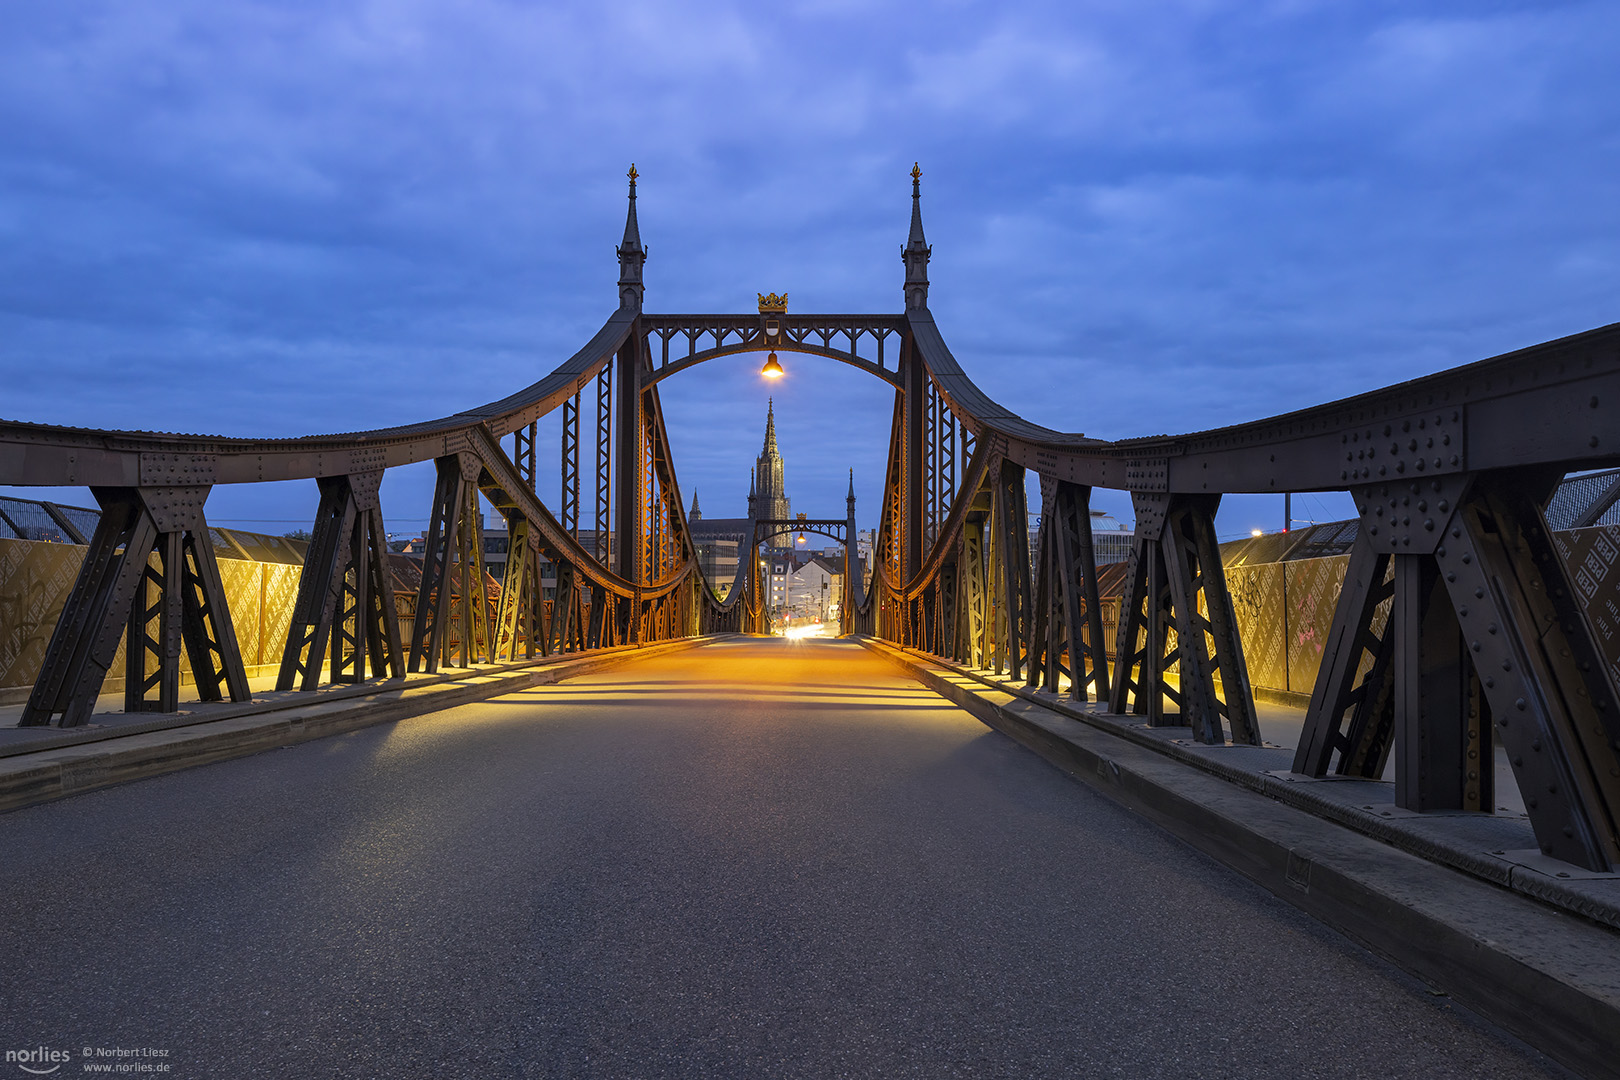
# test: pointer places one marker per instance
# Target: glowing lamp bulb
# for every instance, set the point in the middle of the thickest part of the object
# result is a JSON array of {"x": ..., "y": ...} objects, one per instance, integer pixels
[
  {"x": 1255, "y": 532},
  {"x": 772, "y": 368}
]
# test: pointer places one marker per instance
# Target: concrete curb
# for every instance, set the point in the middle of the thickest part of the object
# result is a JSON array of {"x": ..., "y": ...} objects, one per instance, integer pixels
[
  {"x": 59, "y": 771},
  {"x": 1551, "y": 979}
]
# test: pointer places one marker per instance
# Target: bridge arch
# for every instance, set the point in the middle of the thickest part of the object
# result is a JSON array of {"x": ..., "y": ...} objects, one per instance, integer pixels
[
  {"x": 864, "y": 338},
  {"x": 763, "y": 537}
]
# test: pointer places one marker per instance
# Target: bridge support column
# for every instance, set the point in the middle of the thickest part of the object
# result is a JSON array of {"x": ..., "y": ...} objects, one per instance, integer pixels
[
  {"x": 1175, "y": 575},
  {"x": 1066, "y": 616},
  {"x": 566, "y": 614},
  {"x": 345, "y": 592},
  {"x": 931, "y": 612},
  {"x": 118, "y": 592},
  {"x": 624, "y": 613},
  {"x": 630, "y": 482},
  {"x": 1142, "y": 653},
  {"x": 454, "y": 559},
  {"x": 1010, "y": 588},
  {"x": 592, "y": 606},
  {"x": 945, "y": 620},
  {"x": 973, "y": 624},
  {"x": 847, "y": 599},
  {"x": 914, "y": 435},
  {"x": 1445, "y": 756},
  {"x": 517, "y": 618},
  {"x": 1485, "y": 642}
]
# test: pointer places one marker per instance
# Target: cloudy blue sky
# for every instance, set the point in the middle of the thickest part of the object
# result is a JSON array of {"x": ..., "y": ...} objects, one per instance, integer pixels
[{"x": 277, "y": 219}]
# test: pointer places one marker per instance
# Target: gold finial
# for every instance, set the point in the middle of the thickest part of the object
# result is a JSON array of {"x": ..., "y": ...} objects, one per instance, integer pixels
[
  {"x": 916, "y": 171},
  {"x": 632, "y": 174},
  {"x": 772, "y": 302}
]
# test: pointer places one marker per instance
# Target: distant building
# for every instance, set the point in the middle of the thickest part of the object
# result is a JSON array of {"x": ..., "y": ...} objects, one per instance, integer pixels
[
  {"x": 718, "y": 540},
  {"x": 865, "y": 541},
  {"x": 722, "y": 542},
  {"x": 1110, "y": 538},
  {"x": 815, "y": 587},
  {"x": 718, "y": 558},
  {"x": 716, "y": 548},
  {"x": 777, "y": 567},
  {"x": 770, "y": 500},
  {"x": 496, "y": 541}
]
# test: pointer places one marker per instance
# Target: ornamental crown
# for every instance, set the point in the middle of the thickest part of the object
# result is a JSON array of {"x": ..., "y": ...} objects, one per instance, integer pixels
[{"x": 772, "y": 302}]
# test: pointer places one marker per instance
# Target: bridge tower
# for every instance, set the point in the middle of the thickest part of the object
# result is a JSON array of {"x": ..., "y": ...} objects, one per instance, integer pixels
[
  {"x": 916, "y": 252},
  {"x": 914, "y": 396},
  {"x": 630, "y": 483}
]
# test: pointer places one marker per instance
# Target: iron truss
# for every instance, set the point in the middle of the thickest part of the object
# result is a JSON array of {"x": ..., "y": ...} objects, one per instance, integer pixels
[{"x": 1456, "y": 630}]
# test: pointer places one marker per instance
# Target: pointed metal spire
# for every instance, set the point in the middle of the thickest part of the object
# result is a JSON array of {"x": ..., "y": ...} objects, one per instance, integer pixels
[
  {"x": 752, "y": 494},
  {"x": 916, "y": 253},
  {"x": 770, "y": 429},
  {"x": 694, "y": 514},
  {"x": 916, "y": 236},
  {"x": 632, "y": 255},
  {"x": 851, "y": 499}
]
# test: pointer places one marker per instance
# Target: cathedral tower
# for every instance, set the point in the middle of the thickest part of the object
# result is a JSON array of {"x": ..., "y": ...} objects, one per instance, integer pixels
[{"x": 772, "y": 500}]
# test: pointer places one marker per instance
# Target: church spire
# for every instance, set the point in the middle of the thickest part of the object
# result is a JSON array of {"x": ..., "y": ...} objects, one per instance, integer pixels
[
  {"x": 631, "y": 254},
  {"x": 851, "y": 499},
  {"x": 916, "y": 253},
  {"x": 694, "y": 515},
  {"x": 770, "y": 429},
  {"x": 771, "y": 497}
]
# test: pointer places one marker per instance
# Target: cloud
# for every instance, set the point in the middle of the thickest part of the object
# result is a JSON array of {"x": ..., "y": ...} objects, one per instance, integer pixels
[
  {"x": 276, "y": 218},
  {"x": 1012, "y": 74}
]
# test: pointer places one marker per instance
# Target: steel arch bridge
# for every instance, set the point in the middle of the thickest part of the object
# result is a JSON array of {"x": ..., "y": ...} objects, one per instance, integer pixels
[{"x": 1457, "y": 628}]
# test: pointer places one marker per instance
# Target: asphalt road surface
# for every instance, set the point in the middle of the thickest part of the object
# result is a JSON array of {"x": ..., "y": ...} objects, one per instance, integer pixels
[{"x": 756, "y": 859}]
